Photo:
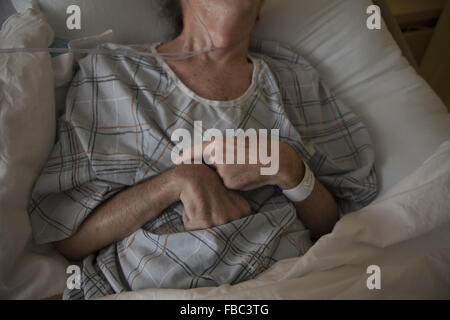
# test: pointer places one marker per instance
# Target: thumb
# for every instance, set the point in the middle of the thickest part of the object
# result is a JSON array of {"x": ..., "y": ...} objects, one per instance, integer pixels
[{"x": 193, "y": 154}]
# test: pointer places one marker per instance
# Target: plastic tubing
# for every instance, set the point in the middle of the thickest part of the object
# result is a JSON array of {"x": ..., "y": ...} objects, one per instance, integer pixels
[{"x": 126, "y": 52}]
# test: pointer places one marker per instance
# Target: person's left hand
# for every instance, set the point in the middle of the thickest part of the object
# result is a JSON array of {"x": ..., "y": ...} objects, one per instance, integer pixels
[{"x": 281, "y": 165}]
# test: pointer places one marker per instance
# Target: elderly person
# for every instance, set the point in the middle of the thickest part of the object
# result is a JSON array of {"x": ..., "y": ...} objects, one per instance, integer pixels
[{"x": 111, "y": 197}]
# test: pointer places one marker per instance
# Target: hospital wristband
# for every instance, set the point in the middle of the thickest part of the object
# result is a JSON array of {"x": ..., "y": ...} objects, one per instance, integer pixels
[{"x": 304, "y": 189}]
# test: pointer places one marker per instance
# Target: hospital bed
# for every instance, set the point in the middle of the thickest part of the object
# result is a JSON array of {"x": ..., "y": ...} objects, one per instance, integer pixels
[{"x": 405, "y": 232}]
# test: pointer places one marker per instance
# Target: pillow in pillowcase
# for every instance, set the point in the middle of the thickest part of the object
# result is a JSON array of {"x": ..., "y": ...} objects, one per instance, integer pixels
[{"x": 27, "y": 130}]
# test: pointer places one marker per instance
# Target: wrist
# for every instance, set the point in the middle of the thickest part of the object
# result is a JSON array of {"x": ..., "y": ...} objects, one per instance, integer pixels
[
  {"x": 176, "y": 182},
  {"x": 292, "y": 169},
  {"x": 156, "y": 194},
  {"x": 185, "y": 177}
]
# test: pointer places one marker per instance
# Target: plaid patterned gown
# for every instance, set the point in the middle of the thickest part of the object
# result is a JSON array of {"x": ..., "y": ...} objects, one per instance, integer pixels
[{"x": 120, "y": 114}]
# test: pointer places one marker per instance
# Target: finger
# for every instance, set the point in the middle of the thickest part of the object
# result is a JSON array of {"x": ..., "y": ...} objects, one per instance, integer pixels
[
  {"x": 209, "y": 154},
  {"x": 185, "y": 216},
  {"x": 189, "y": 209},
  {"x": 239, "y": 177},
  {"x": 252, "y": 186},
  {"x": 194, "y": 154}
]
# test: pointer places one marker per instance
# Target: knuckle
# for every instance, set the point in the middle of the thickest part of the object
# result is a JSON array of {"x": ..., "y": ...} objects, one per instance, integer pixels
[
  {"x": 222, "y": 220},
  {"x": 230, "y": 183},
  {"x": 244, "y": 207},
  {"x": 206, "y": 221},
  {"x": 247, "y": 209}
]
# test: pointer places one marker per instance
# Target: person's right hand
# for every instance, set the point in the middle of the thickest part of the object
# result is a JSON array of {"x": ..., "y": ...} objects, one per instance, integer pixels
[{"x": 207, "y": 203}]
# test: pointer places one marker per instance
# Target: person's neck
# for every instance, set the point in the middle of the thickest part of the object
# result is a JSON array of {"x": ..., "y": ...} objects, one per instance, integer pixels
[{"x": 225, "y": 50}]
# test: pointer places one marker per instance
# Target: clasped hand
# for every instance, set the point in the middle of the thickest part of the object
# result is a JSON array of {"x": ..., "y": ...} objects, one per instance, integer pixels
[{"x": 210, "y": 192}]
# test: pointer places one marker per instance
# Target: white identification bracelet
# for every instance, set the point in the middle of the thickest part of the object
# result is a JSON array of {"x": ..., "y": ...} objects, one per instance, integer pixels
[{"x": 304, "y": 189}]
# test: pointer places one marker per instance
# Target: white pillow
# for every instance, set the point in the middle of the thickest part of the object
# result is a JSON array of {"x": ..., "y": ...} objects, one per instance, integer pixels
[
  {"x": 366, "y": 70},
  {"x": 27, "y": 130}
]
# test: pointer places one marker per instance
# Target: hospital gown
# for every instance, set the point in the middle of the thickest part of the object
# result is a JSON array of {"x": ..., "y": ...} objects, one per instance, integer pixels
[{"x": 120, "y": 114}]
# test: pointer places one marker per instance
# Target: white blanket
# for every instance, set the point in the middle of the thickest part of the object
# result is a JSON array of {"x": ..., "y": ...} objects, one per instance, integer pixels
[{"x": 406, "y": 232}]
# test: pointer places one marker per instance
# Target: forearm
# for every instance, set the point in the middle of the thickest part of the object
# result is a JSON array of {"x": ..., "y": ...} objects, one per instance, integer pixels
[
  {"x": 319, "y": 212},
  {"x": 121, "y": 215}
]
